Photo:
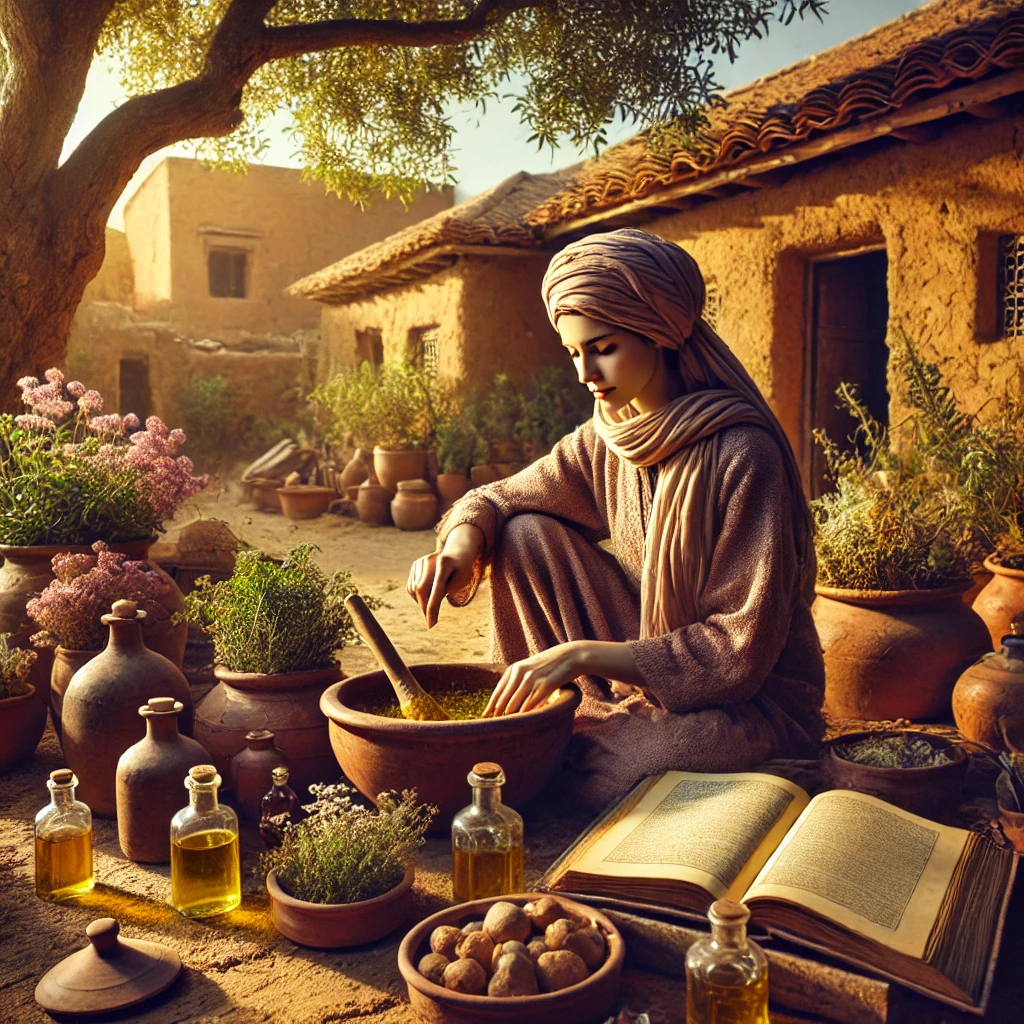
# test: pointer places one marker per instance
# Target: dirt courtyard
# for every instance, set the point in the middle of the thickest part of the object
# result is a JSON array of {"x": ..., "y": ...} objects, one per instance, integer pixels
[{"x": 238, "y": 969}]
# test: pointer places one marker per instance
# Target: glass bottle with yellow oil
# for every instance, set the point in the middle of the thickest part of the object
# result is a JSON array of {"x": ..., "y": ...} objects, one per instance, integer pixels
[
  {"x": 63, "y": 841},
  {"x": 487, "y": 840},
  {"x": 726, "y": 973},
  {"x": 206, "y": 874}
]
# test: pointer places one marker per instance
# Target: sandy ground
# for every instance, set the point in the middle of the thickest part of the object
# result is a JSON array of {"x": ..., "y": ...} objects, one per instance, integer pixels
[{"x": 238, "y": 969}]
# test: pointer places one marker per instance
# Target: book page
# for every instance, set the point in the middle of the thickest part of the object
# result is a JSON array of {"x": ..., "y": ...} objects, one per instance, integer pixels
[
  {"x": 714, "y": 831},
  {"x": 867, "y": 865}
]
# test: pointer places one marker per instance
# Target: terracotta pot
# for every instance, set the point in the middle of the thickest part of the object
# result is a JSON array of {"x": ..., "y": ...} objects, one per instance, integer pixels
[
  {"x": 305, "y": 501},
  {"x": 392, "y": 466},
  {"x": 591, "y": 1000},
  {"x": 895, "y": 654},
  {"x": 485, "y": 474},
  {"x": 1001, "y": 600},
  {"x": 65, "y": 664},
  {"x": 148, "y": 782},
  {"x": 352, "y": 493},
  {"x": 100, "y": 715},
  {"x": 451, "y": 487},
  {"x": 356, "y": 470},
  {"x": 374, "y": 504},
  {"x": 988, "y": 699},
  {"x": 414, "y": 506},
  {"x": 250, "y": 771},
  {"x": 379, "y": 754},
  {"x": 265, "y": 496},
  {"x": 1012, "y": 821},
  {"x": 505, "y": 451},
  {"x": 22, "y": 721},
  {"x": 339, "y": 925},
  {"x": 979, "y": 581},
  {"x": 918, "y": 790},
  {"x": 286, "y": 703}
]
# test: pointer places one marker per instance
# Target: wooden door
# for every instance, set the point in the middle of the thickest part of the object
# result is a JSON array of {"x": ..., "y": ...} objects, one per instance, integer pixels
[
  {"x": 850, "y": 309},
  {"x": 133, "y": 390}
]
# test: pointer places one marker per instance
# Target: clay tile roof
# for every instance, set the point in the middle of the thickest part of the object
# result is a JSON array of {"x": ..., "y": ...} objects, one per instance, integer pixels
[
  {"x": 942, "y": 44},
  {"x": 495, "y": 218}
]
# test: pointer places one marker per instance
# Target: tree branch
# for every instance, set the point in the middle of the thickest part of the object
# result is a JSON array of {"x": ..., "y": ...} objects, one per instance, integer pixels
[{"x": 293, "y": 40}]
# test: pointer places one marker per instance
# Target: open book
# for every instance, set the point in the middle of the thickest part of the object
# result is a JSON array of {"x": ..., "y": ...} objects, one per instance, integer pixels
[{"x": 844, "y": 873}]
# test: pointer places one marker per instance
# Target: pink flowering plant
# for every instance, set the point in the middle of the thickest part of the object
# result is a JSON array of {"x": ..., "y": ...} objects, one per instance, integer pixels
[
  {"x": 70, "y": 608},
  {"x": 70, "y": 475}
]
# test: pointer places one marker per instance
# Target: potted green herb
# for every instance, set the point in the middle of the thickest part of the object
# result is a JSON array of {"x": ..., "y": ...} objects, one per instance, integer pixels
[
  {"x": 459, "y": 446},
  {"x": 343, "y": 876},
  {"x": 553, "y": 404},
  {"x": 276, "y": 630},
  {"x": 500, "y": 412},
  {"x": 22, "y": 714},
  {"x": 894, "y": 554}
]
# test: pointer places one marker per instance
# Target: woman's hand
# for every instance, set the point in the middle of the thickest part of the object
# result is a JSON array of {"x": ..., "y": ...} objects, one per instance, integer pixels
[
  {"x": 529, "y": 683},
  {"x": 445, "y": 571}
]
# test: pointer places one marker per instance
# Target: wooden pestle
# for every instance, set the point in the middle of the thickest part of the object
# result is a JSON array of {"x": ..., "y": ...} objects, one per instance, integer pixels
[{"x": 416, "y": 704}]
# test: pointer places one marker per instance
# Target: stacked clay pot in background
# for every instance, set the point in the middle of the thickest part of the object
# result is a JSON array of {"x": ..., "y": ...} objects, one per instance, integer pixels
[
  {"x": 22, "y": 722},
  {"x": 356, "y": 470},
  {"x": 450, "y": 487},
  {"x": 305, "y": 501},
  {"x": 149, "y": 779},
  {"x": 100, "y": 716},
  {"x": 374, "y": 504},
  {"x": 1001, "y": 600},
  {"x": 251, "y": 772},
  {"x": 65, "y": 664},
  {"x": 414, "y": 506},
  {"x": 393, "y": 466},
  {"x": 988, "y": 700}
]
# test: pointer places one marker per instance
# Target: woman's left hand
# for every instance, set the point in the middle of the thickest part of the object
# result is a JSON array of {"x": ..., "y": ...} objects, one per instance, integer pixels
[{"x": 529, "y": 683}]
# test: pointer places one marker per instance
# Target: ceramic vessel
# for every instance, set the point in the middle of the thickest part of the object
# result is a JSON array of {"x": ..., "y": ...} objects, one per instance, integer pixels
[
  {"x": 591, "y": 1000},
  {"x": 988, "y": 699},
  {"x": 1001, "y": 600},
  {"x": 148, "y": 782},
  {"x": 100, "y": 718},
  {"x": 338, "y": 925},
  {"x": 414, "y": 506},
  {"x": 285, "y": 703},
  {"x": 392, "y": 466},
  {"x": 305, "y": 501},
  {"x": 22, "y": 721},
  {"x": 264, "y": 494},
  {"x": 484, "y": 474},
  {"x": 250, "y": 772},
  {"x": 379, "y": 754},
  {"x": 895, "y": 654},
  {"x": 373, "y": 504},
  {"x": 450, "y": 487},
  {"x": 922, "y": 791},
  {"x": 356, "y": 470},
  {"x": 65, "y": 664}
]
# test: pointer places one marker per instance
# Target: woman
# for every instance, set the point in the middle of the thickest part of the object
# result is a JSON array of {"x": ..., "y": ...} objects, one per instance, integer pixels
[{"x": 694, "y": 645}]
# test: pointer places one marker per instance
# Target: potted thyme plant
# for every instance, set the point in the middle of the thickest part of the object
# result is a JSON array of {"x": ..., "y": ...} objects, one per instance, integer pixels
[
  {"x": 276, "y": 630},
  {"x": 343, "y": 876},
  {"x": 85, "y": 586},
  {"x": 22, "y": 715}
]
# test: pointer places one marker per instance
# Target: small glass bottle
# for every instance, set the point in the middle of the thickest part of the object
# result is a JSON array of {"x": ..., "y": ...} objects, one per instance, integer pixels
[
  {"x": 206, "y": 873},
  {"x": 63, "y": 841},
  {"x": 279, "y": 800},
  {"x": 487, "y": 840},
  {"x": 726, "y": 973}
]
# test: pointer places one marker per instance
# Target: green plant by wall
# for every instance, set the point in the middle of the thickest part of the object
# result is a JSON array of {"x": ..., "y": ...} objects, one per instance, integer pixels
[
  {"x": 460, "y": 446},
  {"x": 552, "y": 405},
  {"x": 209, "y": 417}
]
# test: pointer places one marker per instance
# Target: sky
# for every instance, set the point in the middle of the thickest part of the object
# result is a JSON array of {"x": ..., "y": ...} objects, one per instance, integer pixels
[{"x": 487, "y": 149}]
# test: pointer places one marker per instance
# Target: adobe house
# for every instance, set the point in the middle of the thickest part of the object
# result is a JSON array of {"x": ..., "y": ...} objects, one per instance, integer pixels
[
  {"x": 195, "y": 286},
  {"x": 874, "y": 188}
]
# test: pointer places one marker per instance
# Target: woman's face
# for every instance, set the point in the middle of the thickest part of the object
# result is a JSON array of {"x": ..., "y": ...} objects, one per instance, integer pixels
[{"x": 617, "y": 366}]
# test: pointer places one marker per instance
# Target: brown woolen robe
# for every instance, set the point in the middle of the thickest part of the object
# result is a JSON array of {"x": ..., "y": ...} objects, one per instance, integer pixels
[{"x": 742, "y": 685}]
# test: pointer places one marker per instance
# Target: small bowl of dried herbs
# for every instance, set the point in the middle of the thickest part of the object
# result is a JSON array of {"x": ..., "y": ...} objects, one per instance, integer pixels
[{"x": 914, "y": 770}]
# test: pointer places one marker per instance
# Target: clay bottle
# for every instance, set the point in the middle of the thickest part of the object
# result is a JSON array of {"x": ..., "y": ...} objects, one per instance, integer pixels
[
  {"x": 100, "y": 714},
  {"x": 988, "y": 699},
  {"x": 251, "y": 772},
  {"x": 148, "y": 776}
]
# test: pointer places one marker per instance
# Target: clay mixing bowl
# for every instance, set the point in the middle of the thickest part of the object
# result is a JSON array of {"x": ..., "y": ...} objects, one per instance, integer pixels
[
  {"x": 379, "y": 754},
  {"x": 591, "y": 1000}
]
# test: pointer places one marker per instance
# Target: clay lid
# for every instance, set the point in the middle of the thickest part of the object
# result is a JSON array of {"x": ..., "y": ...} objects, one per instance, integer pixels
[
  {"x": 123, "y": 610},
  {"x": 259, "y": 739},
  {"x": 161, "y": 706},
  {"x": 109, "y": 974},
  {"x": 63, "y": 777},
  {"x": 416, "y": 486}
]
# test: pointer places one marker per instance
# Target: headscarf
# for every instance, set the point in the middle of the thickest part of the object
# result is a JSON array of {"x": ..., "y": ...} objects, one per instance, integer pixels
[{"x": 648, "y": 286}]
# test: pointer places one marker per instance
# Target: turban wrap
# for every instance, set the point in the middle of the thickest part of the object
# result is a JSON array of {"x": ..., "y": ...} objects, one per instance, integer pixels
[{"x": 654, "y": 288}]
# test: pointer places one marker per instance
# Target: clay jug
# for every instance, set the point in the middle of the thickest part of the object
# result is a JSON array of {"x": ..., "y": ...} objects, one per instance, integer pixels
[
  {"x": 250, "y": 772},
  {"x": 374, "y": 504},
  {"x": 1001, "y": 600},
  {"x": 100, "y": 717},
  {"x": 356, "y": 470},
  {"x": 148, "y": 781},
  {"x": 450, "y": 487},
  {"x": 988, "y": 699},
  {"x": 415, "y": 505},
  {"x": 65, "y": 664}
]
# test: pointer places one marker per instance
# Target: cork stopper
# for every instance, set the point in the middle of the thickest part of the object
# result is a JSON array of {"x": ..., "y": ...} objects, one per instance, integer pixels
[
  {"x": 124, "y": 609},
  {"x": 161, "y": 706},
  {"x": 204, "y": 774},
  {"x": 62, "y": 777},
  {"x": 487, "y": 769},
  {"x": 259, "y": 739},
  {"x": 279, "y": 775},
  {"x": 728, "y": 912}
]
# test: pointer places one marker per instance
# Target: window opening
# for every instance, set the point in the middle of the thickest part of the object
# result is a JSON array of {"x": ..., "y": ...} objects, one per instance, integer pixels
[
  {"x": 370, "y": 347},
  {"x": 712, "y": 304},
  {"x": 227, "y": 273},
  {"x": 133, "y": 387},
  {"x": 425, "y": 349},
  {"x": 1011, "y": 284}
]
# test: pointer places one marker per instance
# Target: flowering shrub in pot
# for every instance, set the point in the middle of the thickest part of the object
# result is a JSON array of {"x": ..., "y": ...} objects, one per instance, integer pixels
[
  {"x": 70, "y": 609},
  {"x": 22, "y": 716},
  {"x": 343, "y": 876},
  {"x": 275, "y": 629}
]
